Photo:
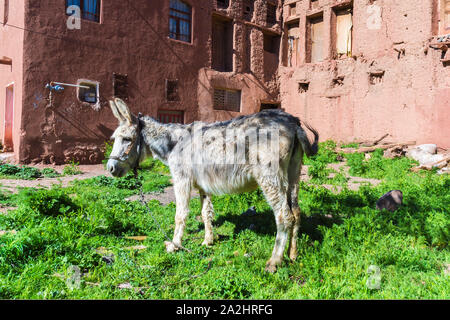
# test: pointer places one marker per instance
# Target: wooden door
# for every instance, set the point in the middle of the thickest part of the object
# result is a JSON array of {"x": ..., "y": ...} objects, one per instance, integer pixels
[{"x": 9, "y": 115}]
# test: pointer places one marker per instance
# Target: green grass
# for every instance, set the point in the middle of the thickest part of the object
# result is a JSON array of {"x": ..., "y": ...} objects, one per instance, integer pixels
[{"x": 341, "y": 236}]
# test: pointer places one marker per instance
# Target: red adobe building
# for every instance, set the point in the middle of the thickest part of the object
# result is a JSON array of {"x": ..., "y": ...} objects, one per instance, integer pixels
[{"x": 353, "y": 69}]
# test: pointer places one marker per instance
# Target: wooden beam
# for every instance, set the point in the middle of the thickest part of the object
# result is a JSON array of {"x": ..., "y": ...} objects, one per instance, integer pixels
[{"x": 6, "y": 61}]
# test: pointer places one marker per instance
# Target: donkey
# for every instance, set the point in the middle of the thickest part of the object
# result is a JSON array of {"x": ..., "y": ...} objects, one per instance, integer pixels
[{"x": 198, "y": 157}]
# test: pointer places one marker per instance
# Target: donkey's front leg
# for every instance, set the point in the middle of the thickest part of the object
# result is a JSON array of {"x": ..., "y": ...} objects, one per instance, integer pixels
[
  {"x": 182, "y": 194},
  {"x": 207, "y": 215}
]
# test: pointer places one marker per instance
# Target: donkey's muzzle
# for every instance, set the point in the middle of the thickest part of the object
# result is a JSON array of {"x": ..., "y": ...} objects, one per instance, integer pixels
[{"x": 114, "y": 167}]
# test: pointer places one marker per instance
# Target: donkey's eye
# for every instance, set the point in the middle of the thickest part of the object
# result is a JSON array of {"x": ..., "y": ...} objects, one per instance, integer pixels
[{"x": 126, "y": 139}]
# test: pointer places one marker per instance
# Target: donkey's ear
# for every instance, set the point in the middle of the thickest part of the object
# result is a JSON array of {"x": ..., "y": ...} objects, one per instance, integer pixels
[
  {"x": 115, "y": 111},
  {"x": 124, "y": 110}
]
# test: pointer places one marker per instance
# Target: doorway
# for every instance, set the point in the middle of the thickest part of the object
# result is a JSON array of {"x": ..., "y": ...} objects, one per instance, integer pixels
[
  {"x": 9, "y": 117},
  {"x": 266, "y": 106}
]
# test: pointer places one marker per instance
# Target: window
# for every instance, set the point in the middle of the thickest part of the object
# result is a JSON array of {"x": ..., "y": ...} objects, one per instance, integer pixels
[
  {"x": 343, "y": 36},
  {"x": 314, "y": 4},
  {"x": 249, "y": 7},
  {"x": 315, "y": 44},
  {"x": 90, "y": 9},
  {"x": 271, "y": 43},
  {"x": 293, "y": 47},
  {"x": 172, "y": 90},
  {"x": 88, "y": 92},
  {"x": 120, "y": 84},
  {"x": 180, "y": 17},
  {"x": 226, "y": 99},
  {"x": 223, "y": 3},
  {"x": 445, "y": 17},
  {"x": 222, "y": 45},
  {"x": 292, "y": 9},
  {"x": 271, "y": 17},
  {"x": 171, "y": 116}
]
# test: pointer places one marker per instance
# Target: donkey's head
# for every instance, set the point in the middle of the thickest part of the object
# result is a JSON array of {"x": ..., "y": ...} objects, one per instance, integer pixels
[{"x": 128, "y": 143}]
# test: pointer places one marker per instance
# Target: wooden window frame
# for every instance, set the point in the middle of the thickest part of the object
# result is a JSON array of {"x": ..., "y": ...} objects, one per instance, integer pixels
[
  {"x": 224, "y": 106},
  {"x": 177, "y": 35},
  {"x": 171, "y": 115}
]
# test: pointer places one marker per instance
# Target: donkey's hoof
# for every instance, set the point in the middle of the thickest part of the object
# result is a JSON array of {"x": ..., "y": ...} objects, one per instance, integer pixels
[
  {"x": 271, "y": 267},
  {"x": 170, "y": 246},
  {"x": 207, "y": 243},
  {"x": 293, "y": 255}
]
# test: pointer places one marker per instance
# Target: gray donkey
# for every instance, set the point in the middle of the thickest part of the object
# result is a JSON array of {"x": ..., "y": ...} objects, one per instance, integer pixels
[{"x": 264, "y": 149}]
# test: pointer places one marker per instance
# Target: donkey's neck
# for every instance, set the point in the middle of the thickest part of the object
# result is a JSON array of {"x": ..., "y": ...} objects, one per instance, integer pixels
[{"x": 160, "y": 138}]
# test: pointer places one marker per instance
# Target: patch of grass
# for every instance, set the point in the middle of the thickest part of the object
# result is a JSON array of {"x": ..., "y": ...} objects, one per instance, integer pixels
[
  {"x": 72, "y": 169},
  {"x": 49, "y": 173},
  {"x": 10, "y": 171},
  {"x": 341, "y": 236}
]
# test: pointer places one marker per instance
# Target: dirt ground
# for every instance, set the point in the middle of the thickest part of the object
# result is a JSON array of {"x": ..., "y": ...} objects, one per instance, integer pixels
[{"x": 164, "y": 198}]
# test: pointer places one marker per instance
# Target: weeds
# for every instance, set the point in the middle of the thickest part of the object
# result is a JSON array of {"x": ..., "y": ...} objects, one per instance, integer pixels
[
  {"x": 72, "y": 169},
  {"x": 341, "y": 235}
]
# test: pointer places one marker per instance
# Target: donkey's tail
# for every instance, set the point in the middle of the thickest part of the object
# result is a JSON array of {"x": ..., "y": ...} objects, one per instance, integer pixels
[{"x": 308, "y": 148}]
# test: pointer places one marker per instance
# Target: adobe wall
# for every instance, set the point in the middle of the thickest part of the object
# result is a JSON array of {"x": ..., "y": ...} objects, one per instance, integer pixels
[
  {"x": 254, "y": 70},
  {"x": 408, "y": 95},
  {"x": 11, "y": 46},
  {"x": 130, "y": 40}
]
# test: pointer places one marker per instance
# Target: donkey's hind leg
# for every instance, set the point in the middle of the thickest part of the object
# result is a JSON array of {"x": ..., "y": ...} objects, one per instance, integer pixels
[
  {"x": 182, "y": 190},
  {"x": 207, "y": 215},
  {"x": 292, "y": 249},
  {"x": 277, "y": 197},
  {"x": 294, "y": 172}
]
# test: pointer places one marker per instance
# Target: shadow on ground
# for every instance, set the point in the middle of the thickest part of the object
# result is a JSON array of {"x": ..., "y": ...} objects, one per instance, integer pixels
[{"x": 263, "y": 223}]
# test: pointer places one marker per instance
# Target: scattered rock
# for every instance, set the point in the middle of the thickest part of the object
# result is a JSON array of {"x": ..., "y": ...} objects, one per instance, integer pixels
[
  {"x": 447, "y": 269},
  {"x": 390, "y": 201},
  {"x": 125, "y": 285},
  {"x": 425, "y": 154},
  {"x": 109, "y": 259},
  {"x": 427, "y": 148},
  {"x": 444, "y": 170}
]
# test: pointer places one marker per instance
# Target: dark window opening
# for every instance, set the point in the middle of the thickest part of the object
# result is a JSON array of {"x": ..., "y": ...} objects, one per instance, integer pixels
[
  {"x": 180, "y": 17},
  {"x": 314, "y": 4},
  {"x": 228, "y": 100},
  {"x": 292, "y": 9},
  {"x": 271, "y": 43},
  {"x": 223, "y": 4},
  {"x": 88, "y": 94},
  {"x": 271, "y": 17},
  {"x": 222, "y": 45},
  {"x": 171, "y": 116},
  {"x": 249, "y": 7},
  {"x": 120, "y": 84},
  {"x": 172, "y": 90},
  {"x": 303, "y": 87},
  {"x": 90, "y": 9},
  {"x": 267, "y": 106}
]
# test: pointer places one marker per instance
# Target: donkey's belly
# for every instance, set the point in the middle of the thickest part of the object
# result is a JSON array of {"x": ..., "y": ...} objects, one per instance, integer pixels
[{"x": 224, "y": 180}]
